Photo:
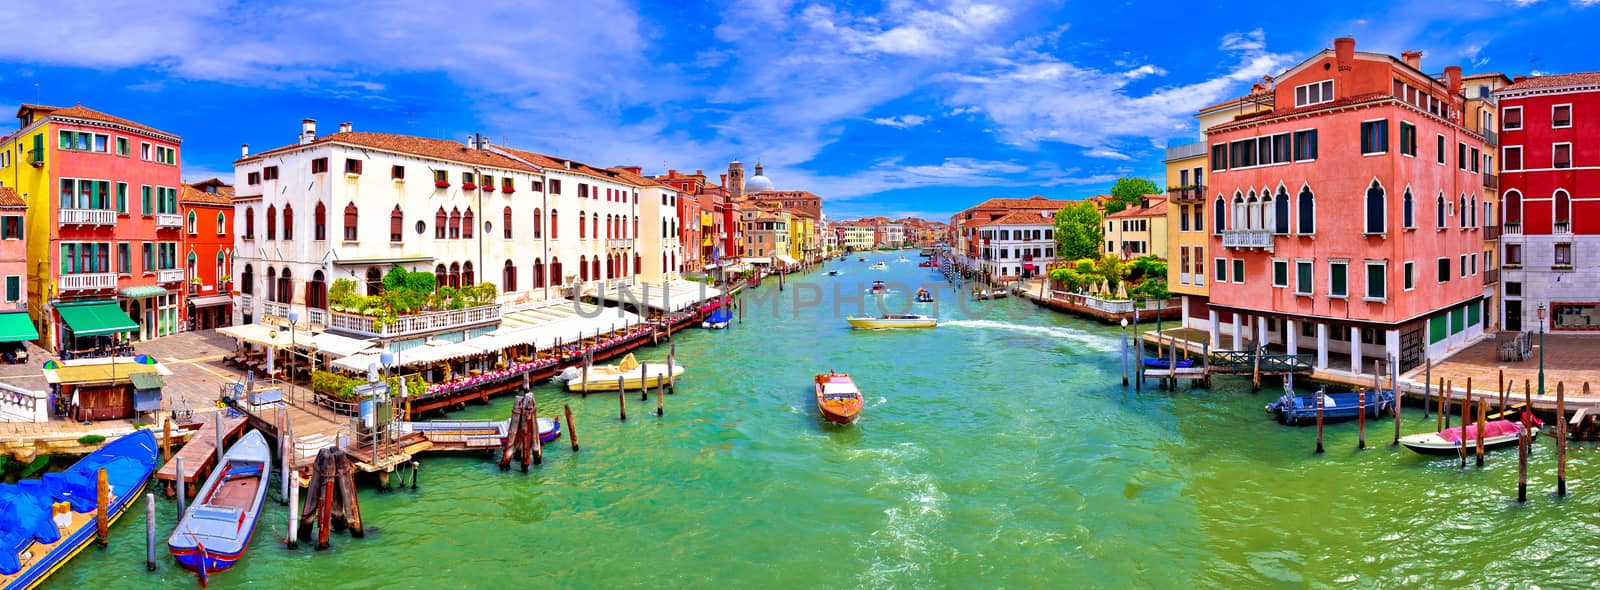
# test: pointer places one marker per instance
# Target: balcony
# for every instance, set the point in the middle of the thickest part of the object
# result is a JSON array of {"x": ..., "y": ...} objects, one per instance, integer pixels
[
  {"x": 169, "y": 275},
  {"x": 246, "y": 300},
  {"x": 317, "y": 317},
  {"x": 1187, "y": 150},
  {"x": 36, "y": 157},
  {"x": 1513, "y": 228},
  {"x": 88, "y": 217},
  {"x": 1490, "y": 138},
  {"x": 1247, "y": 238},
  {"x": 1491, "y": 232},
  {"x": 412, "y": 325},
  {"x": 274, "y": 310},
  {"x": 88, "y": 281},
  {"x": 1491, "y": 277},
  {"x": 168, "y": 220},
  {"x": 1561, "y": 227},
  {"x": 1491, "y": 181},
  {"x": 619, "y": 243},
  {"x": 1187, "y": 194}
]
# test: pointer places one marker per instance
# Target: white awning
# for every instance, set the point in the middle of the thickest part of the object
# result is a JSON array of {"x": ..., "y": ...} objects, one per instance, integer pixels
[
  {"x": 541, "y": 325},
  {"x": 760, "y": 260},
  {"x": 264, "y": 335},
  {"x": 336, "y": 345},
  {"x": 786, "y": 259},
  {"x": 668, "y": 297}
]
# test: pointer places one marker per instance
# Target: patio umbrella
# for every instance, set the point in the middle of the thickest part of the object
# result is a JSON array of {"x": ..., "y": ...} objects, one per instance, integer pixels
[
  {"x": 1122, "y": 290},
  {"x": 144, "y": 359},
  {"x": 51, "y": 365}
]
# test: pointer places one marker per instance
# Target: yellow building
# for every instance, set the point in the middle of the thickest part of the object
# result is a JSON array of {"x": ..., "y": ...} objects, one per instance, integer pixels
[{"x": 1137, "y": 231}]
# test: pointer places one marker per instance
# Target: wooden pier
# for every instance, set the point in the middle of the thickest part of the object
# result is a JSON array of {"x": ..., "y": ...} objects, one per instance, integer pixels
[{"x": 199, "y": 455}]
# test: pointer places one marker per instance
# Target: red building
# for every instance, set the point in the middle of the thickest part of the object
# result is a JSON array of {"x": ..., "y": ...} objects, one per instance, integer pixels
[
  {"x": 1550, "y": 175},
  {"x": 207, "y": 208},
  {"x": 1347, "y": 215}
]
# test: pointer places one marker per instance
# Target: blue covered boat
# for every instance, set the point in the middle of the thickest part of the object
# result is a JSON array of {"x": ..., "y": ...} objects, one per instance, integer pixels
[
  {"x": 214, "y": 534},
  {"x": 45, "y": 522},
  {"x": 718, "y": 319},
  {"x": 1154, "y": 363},
  {"x": 1294, "y": 409}
]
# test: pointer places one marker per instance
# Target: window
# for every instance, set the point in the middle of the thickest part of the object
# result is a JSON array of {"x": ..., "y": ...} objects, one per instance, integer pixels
[
  {"x": 1513, "y": 289},
  {"x": 1561, "y": 155},
  {"x": 441, "y": 221},
  {"x": 1511, "y": 160},
  {"x": 1407, "y": 211},
  {"x": 319, "y": 223},
  {"x": 1222, "y": 270},
  {"x": 1563, "y": 210},
  {"x": 146, "y": 200},
  {"x": 1377, "y": 275},
  {"x": 1439, "y": 212},
  {"x": 352, "y": 166},
  {"x": 467, "y": 221},
  {"x": 1560, "y": 116},
  {"x": 1408, "y": 139},
  {"x": 1473, "y": 262},
  {"x": 1280, "y": 273},
  {"x": 1461, "y": 156},
  {"x": 1439, "y": 155},
  {"x": 397, "y": 172},
  {"x": 505, "y": 223},
  {"x": 1511, "y": 119},
  {"x": 166, "y": 155},
  {"x": 1377, "y": 222},
  {"x": 1238, "y": 270},
  {"x": 249, "y": 223},
  {"x": 467, "y": 181},
  {"x": 193, "y": 223},
  {"x": 122, "y": 198},
  {"x": 1375, "y": 137},
  {"x": 144, "y": 151},
  {"x": 253, "y": 178},
  {"x": 1563, "y": 256},
  {"x": 222, "y": 224},
  {"x": 554, "y": 226},
  {"x": 272, "y": 222},
  {"x": 583, "y": 190},
  {"x": 148, "y": 250},
  {"x": 1462, "y": 266},
  {"x": 1280, "y": 212},
  {"x": 1443, "y": 274},
  {"x": 1473, "y": 153},
  {"x": 122, "y": 146},
  {"x": 1313, "y": 93},
  {"x": 396, "y": 224},
  {"x": 319, "y": 165},
  {"x": 124, "y": 258},
  {"x": 1303, "y": 277},
  {"x": 1407, "y": 271},
  {"x": 1513, "y": 255},
  {"x": 1305, "y": 145},
  {"x": 1337, "y": 284},
  {"x": 350, "y": 219},
  {"x": 11, "y": 227},
  {"x": 1306, "y": 208},
  {"x": 507, "y": 185},
  {"x": 1219, "y": 157}
]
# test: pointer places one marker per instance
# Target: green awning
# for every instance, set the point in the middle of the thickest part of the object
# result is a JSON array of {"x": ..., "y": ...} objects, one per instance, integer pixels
[
  {"x": 96, "y": 319},
  {"x": 142, "y": 291},
  {"x": 17, "y": 327},
  {"x": 147, "y": 380}
]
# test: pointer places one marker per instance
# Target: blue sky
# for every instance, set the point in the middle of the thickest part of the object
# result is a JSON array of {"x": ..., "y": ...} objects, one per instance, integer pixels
[{"x": 903, "y": 107}]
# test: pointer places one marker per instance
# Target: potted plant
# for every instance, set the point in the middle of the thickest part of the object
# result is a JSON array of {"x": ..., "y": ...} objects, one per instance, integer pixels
[
  {"x": 508, "y": 189},
  {"x": 469, "y": 187},
  {"x": 441, "y": 184},
  {"x": 488, "y": 188}
]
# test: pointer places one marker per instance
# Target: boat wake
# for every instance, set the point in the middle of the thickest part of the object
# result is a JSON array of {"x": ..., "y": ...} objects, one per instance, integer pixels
[
  {"x": 1100, "y": 343},
  {"x": 902, "y": 549}
]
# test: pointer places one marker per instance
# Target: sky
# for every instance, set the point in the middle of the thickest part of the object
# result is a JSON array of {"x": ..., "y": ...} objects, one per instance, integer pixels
[{"x": 901, "y": 107}]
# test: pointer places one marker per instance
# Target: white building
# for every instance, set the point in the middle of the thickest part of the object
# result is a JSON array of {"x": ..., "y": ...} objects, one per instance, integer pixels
[
  {"x": 855, "y": 236},
  {"x": 1017, "y": 246},
  {"x": 891, "y": 235}
]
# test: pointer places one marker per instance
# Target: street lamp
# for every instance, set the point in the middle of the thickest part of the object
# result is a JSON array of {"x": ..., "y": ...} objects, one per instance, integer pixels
[
  {"x": 1542, "y": 314},
  {"x": 1124, "y": 323},
  {"x": 294, "y": 318}
]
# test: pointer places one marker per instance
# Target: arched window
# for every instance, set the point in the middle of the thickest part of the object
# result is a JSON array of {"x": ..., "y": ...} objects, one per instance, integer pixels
[
  {"x": 1563, "y": 204},
  {"x": 467, "y": 221},
  {"x": 555, "y": 268},
  {"x": 455, "y": 275},
  {"x": 1219, "y": 215},
  {"x": 350, "y": 220},
  {"x": 374, "y": 281},
  {"x": 288, "y": 222},
  {"x": 1461, "y": 210},
  {"x": 555, "y": 219},
  {"x": 455, "y": 223},
  {"x": 468, "y": 278},
  {"x": 538, "y": 273},
  {"x": 594, "y": 268},
  {"x": 1473, "y": 212},
  {"x": 441, "y": 220},
  {"x": 441, "y": 276},
  {"x": 538, "y": 223},
  {"x": 317, "y": 291},
  {"x": 247, "y": 281},
  {"x": 508, "y": 277},
  {"x": 249, "y": 223},
  {"x": 1407, "y": 210},
  {"x": 505, "y": 224},
  {"x": 594, "y": 228},
  {"x": 583, "y": 264},
  {"x": 611, "y": 267},
  {"x": 397, "y": 222},
  {"x": 1280, "y": 212},
  {"x": 272, "y": 284},
  {"x": 286, "y": 287},
  {"x": 663, "y": 227},
  {"x": 1308, "y": 212},
  {"x": 222, "y": 224},
  {"x": 583, "y": 226},
  {"x": 635, "y": 233},
  {"x": 193, "y": 223},
  {"x": 1240, "y": 217},
  {"x": 636, "y": 262},
  {"x": 1377, "y": 218},
  {"x": 222, "y": 271},
  {"x": 1438, "y": 212},
  {"x": 319, "y": 223},
  {"x": 272, "y": 222},
  {"x": 1512, "y": 210},
  {"x": 192, "y": 263}
]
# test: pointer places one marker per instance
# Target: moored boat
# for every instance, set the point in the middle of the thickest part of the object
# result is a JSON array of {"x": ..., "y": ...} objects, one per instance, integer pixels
[
  {"x": 1294, "y": 409},
  {"x": 718, "y": 319},
  {"x": 982, "y": 294},
  {"x": 893, "y": 321},
  {"x": 925, "y": 264},
  {"x": 1161, "y": 363},
  {"x": 215, "y": 532},
  {"x": 631, "y": 372},
  {"x": 549, "y": 429},
  {"x": 880, "y": 266},
  {"x": 47, "y": 521},
  {"x": 837, "y": 397},
  {"x": 1497, "y": 434}
]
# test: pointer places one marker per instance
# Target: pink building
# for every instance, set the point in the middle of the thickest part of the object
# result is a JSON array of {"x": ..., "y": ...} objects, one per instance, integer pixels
[{"x": 15, "y": 325}]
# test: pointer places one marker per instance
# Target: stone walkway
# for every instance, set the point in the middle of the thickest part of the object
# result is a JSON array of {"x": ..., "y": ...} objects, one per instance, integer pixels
[{"x": 1568, "y": 358}]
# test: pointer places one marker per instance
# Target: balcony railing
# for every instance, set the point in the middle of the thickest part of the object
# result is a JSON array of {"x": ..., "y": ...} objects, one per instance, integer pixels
[
  {"x": 422, "y": 323},
  {"x": 166, "y": 220},
  {"x": 1187, "y": 194},
  {"x": 1187, "y": 150},
  {"x": 1247, "y": 238},
  {"x": 1491, "y": 232},
  {"x": 1491, "y": 277},
  {"x": 88, "y": 281},
  {"x": 619, "y": 243},
  {"x": 246, "y": 300},
  {"x": 169, "y": 275},
  {"x": 317, "y": 317},
  {"x": 1491, "y": 181},
  {"x": 1513, "y": 228},
  {"x": 275, "y": 310},
  {"x": 1490, "y": 137},
  {"x": 88, "y": 217}
]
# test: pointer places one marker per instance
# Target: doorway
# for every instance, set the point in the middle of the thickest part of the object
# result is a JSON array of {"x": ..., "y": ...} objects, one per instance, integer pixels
[{"x": 1513, "y": 321}]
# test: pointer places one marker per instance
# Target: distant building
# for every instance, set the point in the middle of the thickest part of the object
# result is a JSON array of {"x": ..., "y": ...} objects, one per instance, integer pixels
[
  {"x": 1138, "y": 230},
  {"x": 1018, "y": 246},
  {"x": 207, "y": 208}
]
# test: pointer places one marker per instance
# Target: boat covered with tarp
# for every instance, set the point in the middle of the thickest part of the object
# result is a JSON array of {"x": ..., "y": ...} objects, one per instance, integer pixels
[
  {"x": 1295, "y": 409},
  {"x": 1451, "y": 441}
]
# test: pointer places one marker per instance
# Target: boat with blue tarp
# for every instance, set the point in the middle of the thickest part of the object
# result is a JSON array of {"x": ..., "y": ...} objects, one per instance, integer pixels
[{"x": 1294, "y": 409}]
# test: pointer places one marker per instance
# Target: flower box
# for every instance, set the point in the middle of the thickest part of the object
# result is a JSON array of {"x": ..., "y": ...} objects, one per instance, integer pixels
[
  {"x": 469, "y": 187},
  {"x": 508, "y": 190},
  {"x": 488, "y": 188},
  {"x": 441, "y": 184}
]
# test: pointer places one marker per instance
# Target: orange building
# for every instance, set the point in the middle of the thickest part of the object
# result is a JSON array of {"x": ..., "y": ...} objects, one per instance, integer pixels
[{"x": 207, "y": 208}]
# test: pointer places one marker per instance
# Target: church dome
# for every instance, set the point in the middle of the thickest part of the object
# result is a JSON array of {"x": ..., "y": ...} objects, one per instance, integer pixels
[{"x": 758, "y": 183}]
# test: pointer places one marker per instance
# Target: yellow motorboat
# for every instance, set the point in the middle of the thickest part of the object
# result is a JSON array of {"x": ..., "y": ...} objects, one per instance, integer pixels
[
  {"x": 893, "y": 321},
  {"x": 632, "y": 375}
]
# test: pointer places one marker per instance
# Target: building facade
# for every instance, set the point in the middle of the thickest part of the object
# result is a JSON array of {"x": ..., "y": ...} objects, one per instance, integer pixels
[
  {"x": 207, "y": 209},
  {"x": 1018, "y": 246},
  {"x": 1482, "y": 115},
  {"x": 1550, "y": 175},
  {"x": 1138, "y": 230}
]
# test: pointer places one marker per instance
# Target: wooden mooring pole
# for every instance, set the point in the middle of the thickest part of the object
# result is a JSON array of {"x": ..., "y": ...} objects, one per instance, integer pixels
[
  {"x": 102, "y": 507},
  {"x": 1483, "y": 423},
  {"x": 150, "y": 532},
  {"x": 294, "y": 509},
  {"x": 1399, "y": 399},
  {"x": 1361, "y": 418},
  {"x": 1427, "y": 386},
  {"x": 1466, "y": 420},
  {"x": 166, "y": 441},
  {"x": 1320, "y": 393},
  {"x": 1445, "y": 396},
  {"x": 661, "y": 390},
  {"x": 622, "y": 401},
  {"x": 1522, "y": 465},
  {"x": 538, "y": 435},
  {"x": 1561, "y": 439},
  {"x": 572, "y": 429},
  {"x": 1502, "y": 391},
  {"x": 182, "y": 484}
]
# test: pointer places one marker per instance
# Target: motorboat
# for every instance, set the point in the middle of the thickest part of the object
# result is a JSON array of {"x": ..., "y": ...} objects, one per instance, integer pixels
[
  {"x": 1496, "y": 434},
  {"x": 862, "y": 259},
  {"x": 923, "y": 296},
  {"x": 982, "y": 294},
  {"x": 880, "y": 266},
  {"x": 215, "y": 532},
  {"x": 718, "y": 319},
  {"x": 879, "y": 287},
  {"x": 630, "y": 371},
  {"x": 1161, "y": 363},
  {"x": 893, "y": 321},
  {"x": 45, "y": 522},
  {"x": 925, "y": 264},
  {"x": 838, "y": 398},
  {"x": 549, "y": 429},
  {"x": 833, "y": 273},
  {"x": 902, "y": 259},
  {"x": 1294, "y": 409}
]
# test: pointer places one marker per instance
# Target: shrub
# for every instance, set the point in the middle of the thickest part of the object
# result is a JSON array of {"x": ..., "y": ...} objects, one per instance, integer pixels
[{"x": 91, "y": 439}]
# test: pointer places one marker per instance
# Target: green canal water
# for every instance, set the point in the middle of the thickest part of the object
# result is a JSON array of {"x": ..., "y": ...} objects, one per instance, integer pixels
[{"x": 998, "y": 450}]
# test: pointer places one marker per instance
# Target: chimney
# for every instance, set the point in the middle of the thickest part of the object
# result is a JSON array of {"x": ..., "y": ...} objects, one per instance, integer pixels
[
  {"x": 1518, "y": 78},
  {"x": 699, "y": 172},
  {"x": 244, "y": 149},
  {"x": 308, "y": 130},
  {"x": 672, "y": 173},
  {"x": 1412, "y": 58},
  {"x": 1452, "y": 77}
]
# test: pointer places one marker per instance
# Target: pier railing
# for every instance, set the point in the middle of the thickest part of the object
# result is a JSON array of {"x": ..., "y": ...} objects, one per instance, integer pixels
[
  {"x": 1243, "y": 361},
  {"x": 409, "y": 325}
]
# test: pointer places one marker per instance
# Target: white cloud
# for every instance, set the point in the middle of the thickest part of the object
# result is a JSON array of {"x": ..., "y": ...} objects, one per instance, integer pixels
[
  {"x": 901, "y": 121},
  {"x": 1105, "y": 152}
]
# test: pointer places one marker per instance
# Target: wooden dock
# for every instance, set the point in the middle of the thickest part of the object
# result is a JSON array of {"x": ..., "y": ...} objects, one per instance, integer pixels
[{"x": 200, "y": 453}]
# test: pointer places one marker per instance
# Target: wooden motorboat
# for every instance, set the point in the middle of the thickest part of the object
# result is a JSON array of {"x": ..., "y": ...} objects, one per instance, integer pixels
[
  {"x": 45, "y": 522},
  {"x": 549, "y": 429},
  {"x": 982, "y": 294},
  {"x": 1294, "y": 409},
  {"x": 1497, "y": 434},
  {"x": 215, "y": 532},
  {"x": 862, "y": 259},
  {"x": 604, "y": 378},
  {"x": 893, "y": 321},
  {"x": 837, "y": 397},
  {"x": 923, "y": 296}
]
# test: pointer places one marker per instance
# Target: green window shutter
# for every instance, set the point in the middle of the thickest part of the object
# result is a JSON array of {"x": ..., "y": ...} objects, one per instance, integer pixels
[
  {"x": 1473, "y": 314},
  {"x": 13, "y": 288},
  {"x": 66, "y": 258},
  {"x": 124, "y": 258},
  {"x": 144, "y": 200},
  {"x": 149, "y": 252},
  {"x": 66, "y": 140},
  {"x": 122, "y": 197},
  {"x": 1458, "y": 320},
  {"x": 1438, "y": 329}
]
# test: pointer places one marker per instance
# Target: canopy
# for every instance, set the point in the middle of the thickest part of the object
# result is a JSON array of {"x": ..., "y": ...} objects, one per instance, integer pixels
[
  {"x": 96, "y": 319},
  {"x": 757, "y": 260},
  {"x": 147, "y": 380},
  {"x": 142, "y": 291},
  {"x": 540, "y": 325},
  {"x": 210, "y": 300},
  {"x": 334, "y": 345},
  {"x": 264, "y": 335},
  {"x": 100, "y": 370},
  {"x": 786, "y": 259},
  {"x": 668, "y": 297},
  {"x": 17, "y": 327}
]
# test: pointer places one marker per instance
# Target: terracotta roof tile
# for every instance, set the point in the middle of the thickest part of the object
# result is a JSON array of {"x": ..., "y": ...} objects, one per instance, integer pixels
[
  {"x": 1019, "y": 218},
  {"x": 1555, "y": 80},
  {"x": 1157, "y": 208},
  {"x": 1034, "y": 202},
  {"x": 191, "y": 193},
  {"x": 629, "y": 177},
  {"x": 10, "y": 198},
  {"x": 439, "y": 149},
  {"x": 82, "y": 112}
]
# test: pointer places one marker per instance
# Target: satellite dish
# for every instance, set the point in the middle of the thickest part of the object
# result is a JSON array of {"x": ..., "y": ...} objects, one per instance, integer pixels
[{"x": 373, "y": 373}]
